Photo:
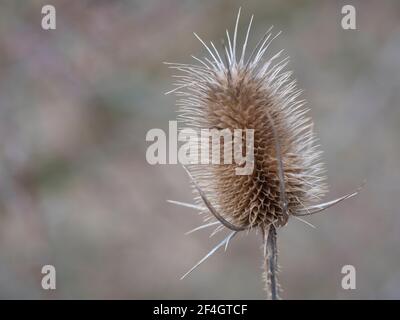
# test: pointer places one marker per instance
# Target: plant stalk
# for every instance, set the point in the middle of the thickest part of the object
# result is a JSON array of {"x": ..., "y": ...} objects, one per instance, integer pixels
[{"x": 271, "y": 263}]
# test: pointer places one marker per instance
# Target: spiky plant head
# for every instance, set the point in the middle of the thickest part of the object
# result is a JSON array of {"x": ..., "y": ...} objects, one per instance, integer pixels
[{"x": 232, "y": 90}]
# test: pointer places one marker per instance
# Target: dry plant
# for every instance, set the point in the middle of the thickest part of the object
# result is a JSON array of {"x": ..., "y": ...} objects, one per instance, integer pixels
[{"x": 228, "y": 90}]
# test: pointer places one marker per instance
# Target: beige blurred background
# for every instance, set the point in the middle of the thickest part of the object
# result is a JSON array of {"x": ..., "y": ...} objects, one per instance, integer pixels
[{"x": 76, "y": 190}]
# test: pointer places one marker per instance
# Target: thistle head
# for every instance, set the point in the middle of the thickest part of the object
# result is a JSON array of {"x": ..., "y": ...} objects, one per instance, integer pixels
[{"x": 232, "y": 89}]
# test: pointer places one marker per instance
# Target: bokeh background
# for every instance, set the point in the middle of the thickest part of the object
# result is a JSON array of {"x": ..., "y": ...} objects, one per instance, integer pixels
[{"x": 76, "y": 190}]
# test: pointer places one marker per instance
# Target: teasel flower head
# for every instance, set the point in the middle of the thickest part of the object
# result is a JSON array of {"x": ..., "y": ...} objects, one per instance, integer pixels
[{"x": 234, "y": 89}]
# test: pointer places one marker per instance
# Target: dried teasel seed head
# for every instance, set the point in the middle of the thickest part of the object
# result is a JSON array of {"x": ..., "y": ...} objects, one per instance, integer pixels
[
  {"x": 239, "y": 92},
  {"x": 234, "y": 90}
]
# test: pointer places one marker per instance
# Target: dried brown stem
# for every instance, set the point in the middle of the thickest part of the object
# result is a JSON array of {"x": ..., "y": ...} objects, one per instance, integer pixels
[{"x": 271, "y": 263}]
